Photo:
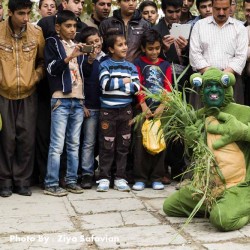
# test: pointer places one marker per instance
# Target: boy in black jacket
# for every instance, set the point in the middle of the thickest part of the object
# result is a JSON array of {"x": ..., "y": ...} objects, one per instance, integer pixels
[{"x": 65, "y": 70}]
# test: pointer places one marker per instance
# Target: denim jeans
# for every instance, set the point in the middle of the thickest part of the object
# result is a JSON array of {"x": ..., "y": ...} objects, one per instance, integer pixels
[
  {"x": 90, "y": 128},
  {"x": 66, "y": 121}
]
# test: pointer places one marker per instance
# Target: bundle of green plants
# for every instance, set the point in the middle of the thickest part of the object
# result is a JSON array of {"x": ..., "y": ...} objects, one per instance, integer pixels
[{"x": 177, "y": 117}]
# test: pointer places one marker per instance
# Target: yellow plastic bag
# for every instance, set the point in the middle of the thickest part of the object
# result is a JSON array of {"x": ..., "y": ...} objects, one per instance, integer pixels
[{"x": 152, "y": 136}]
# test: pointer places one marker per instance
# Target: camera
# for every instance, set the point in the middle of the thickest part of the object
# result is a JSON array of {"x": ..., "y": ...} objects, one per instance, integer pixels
[{"x": 87, "y": 48}]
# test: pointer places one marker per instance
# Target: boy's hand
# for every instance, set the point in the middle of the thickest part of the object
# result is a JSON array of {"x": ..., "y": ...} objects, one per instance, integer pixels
[
  {"x": 158, "y": 112},
  {"x": 146, "y": 110},
  {"x": 126, "y": 80},
  {"x": 86, "y": 112},
  {"x": 167, "y": 41},
  {"x": 76, "y": 52}
]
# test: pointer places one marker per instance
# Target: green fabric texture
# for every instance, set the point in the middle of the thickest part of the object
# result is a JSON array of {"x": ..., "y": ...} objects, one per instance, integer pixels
[
  {"x": 232, "y": 210},
  {"x": 231, "y": 130}
]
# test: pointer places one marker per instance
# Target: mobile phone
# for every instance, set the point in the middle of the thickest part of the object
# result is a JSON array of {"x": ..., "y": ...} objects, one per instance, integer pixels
[{"x": 87, "y": 48}]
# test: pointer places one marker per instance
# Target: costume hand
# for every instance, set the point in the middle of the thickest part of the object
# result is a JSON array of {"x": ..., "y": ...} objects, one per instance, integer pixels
[
  {"x": 193, "y": 132},
  {"x": 167, "y": 41},
  {"x": 181, "y": 42},
  {"x": 231, "y": 130}
]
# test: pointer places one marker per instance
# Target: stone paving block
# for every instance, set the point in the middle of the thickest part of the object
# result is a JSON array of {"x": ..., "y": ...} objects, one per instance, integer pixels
[
  {"x": 246, "y": 231},
  {"x": 91, "y": 194},
  {"x": 228, "y": 246},
  {"x": 19, "y": 209},
  {"x": 35, "y": 224},
  {"x": 134, "y": 237},
  {"x": 101, "y": 221},
  {"x": 139, "y": 218},
  {"x": 155, "y": 204},
  {"x": 205, "y": 232},
  {"x": 65, "y": 241},
  {"x": 181, "y": 220},
  {"x": 150, "y": 193},
  {"x": 182, "y": 247},
  {"x": 106, "y": 205}
]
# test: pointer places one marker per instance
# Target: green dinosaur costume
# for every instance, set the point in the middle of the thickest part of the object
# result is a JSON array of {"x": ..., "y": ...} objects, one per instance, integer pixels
[{"x": 227, "y": 134}]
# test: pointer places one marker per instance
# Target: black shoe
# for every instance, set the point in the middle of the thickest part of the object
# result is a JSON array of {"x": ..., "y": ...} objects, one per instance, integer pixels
[
  {"x": 5, "y": 191},
  {"x": 23, "y": 190},
  {"x": 86, "y": 182},
  {"x": 74, "y": 188}
]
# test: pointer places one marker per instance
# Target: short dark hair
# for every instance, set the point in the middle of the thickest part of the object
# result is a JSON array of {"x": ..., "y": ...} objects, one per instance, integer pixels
[
  {"x": 19, "y": 4},
  {"x": 88, "y": 31},
  {"x": 150, "y": 36},
  {"x": 147, "y": 3},
  {"x": 112, "y": 37},
  {"x": 198, "y": 2},
  {"x": 245, "y": 1},
  {"x": 230, "y": 1},
  {"x": 41, "y": 2},
  {"x": 65, "y": 15},
  {"x": 173, "y": 3}
]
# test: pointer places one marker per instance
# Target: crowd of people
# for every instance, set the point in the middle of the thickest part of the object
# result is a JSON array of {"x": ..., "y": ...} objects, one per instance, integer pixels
[{"x": 62, "y": 106}]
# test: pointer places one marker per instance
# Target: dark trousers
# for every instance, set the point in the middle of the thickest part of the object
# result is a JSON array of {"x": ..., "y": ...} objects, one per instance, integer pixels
[
  {"x": 17, "y": 140},
  {"x": 114, "y": 140},
  {"x": 42, "y": 131},
  {"x": 147, "y": 167}
]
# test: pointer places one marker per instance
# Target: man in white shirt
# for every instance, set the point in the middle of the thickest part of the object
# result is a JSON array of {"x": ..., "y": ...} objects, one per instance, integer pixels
[{"x": 219, "y": 41}]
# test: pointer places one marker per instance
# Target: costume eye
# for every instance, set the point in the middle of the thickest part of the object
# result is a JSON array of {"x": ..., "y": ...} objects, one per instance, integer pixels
[
  {"x": 197, "y": 81},
  {"x": 225, "y": 80}
]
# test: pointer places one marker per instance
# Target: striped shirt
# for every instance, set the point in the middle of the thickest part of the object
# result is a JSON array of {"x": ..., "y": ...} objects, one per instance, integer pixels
[
  {"x": 116, "y": 94},
  {"x": 221, "y": 47}
]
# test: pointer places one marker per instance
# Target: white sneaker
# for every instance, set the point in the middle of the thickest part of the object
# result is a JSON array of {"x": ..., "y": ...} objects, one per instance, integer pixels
[
  {"x": 121, "y": 185},
  {"x": 103, "y": 185}
]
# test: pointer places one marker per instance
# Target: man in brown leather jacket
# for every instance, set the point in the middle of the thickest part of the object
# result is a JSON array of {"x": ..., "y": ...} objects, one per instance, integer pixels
[{"x": 21, "y": 67}]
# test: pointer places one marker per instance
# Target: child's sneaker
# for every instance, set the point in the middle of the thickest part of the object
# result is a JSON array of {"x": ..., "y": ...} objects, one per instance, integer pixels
[
  {"x": 55, "y": 191},
  {"x": 138, "y": 186},
  {"x": 74, "y": 188},
  {"x": 157, "y": 185},
  {"x": 103, "y": 185},
  {"x": 121, "y": 185}
]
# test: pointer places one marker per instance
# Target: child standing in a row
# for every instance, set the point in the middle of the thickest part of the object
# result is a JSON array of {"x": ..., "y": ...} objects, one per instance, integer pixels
[
  {"x": 66, "y": 69},
  {"x": 119, "y": 82},
  {"x": 156, "y": 75}
]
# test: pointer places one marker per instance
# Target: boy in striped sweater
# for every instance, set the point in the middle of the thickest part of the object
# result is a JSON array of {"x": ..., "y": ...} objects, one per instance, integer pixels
[{"x": 119, "y": 82}]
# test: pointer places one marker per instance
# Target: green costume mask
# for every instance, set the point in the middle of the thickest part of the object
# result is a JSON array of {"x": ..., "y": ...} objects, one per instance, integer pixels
[{"x": 215, "y": 87}]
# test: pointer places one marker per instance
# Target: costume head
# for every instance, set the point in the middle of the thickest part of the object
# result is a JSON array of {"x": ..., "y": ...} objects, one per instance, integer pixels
[{"x": 215, "y": 87}]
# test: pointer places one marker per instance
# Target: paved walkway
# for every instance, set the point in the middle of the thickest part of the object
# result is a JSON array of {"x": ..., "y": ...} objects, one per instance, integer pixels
[{"x": 112, "y": 220}]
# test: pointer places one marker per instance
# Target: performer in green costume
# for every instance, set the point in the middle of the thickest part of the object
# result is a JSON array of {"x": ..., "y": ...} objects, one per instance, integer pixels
[{"x": 227, "y": 134}]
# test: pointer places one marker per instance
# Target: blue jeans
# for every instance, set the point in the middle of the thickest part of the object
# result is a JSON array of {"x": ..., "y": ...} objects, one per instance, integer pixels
[
  {"x": 90, "y": 128},
  {"x": 66, "y": 121}
]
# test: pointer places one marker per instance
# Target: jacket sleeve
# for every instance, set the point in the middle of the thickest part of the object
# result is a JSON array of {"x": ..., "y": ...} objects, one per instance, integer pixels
[
  {"x": 168, "y": 79},
  {"x": 134, "y": 86},
  {"x": 107, "y": 82},
  {"x": 140, "y": 96},
  {"x": 40, "y": 57},
  {"x": 87, "y": 67},
  {"x": 54, "y": 62}
]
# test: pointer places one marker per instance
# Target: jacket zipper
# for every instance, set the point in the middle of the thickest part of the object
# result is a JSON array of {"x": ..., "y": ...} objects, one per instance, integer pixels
[{"x": 17, "y": 69}]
